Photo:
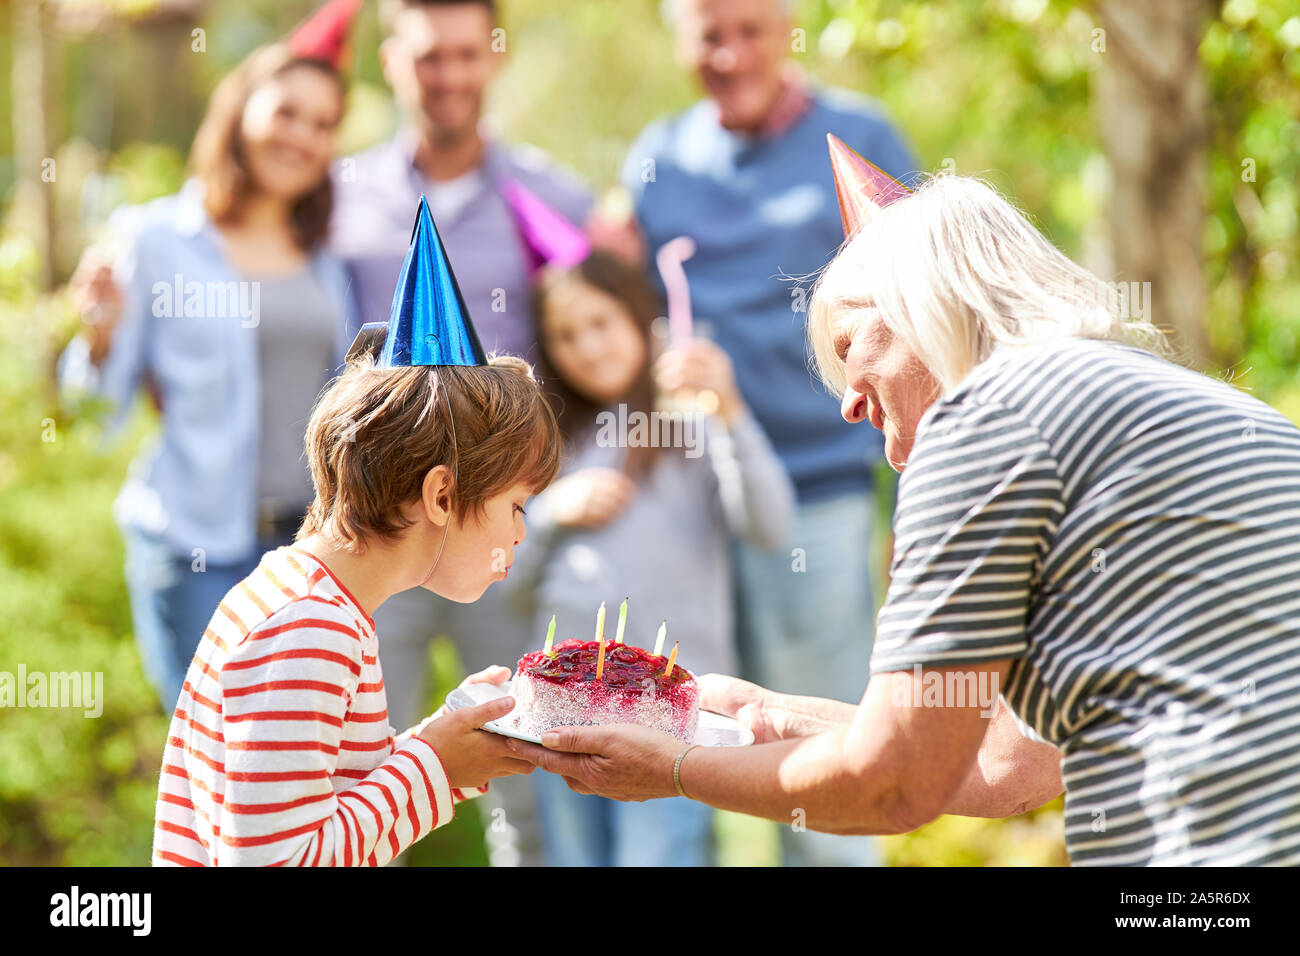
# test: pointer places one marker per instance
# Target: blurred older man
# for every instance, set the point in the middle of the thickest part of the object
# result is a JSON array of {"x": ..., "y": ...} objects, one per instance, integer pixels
[{"x": 743, "y": 173}]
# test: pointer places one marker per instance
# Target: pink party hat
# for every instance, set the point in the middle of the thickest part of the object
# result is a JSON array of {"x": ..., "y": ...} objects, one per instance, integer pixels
[{"x": 549, "y": 238}]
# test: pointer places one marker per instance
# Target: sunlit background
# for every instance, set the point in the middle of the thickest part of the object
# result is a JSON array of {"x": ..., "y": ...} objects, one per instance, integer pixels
[{"x": 1059, "y": 105}]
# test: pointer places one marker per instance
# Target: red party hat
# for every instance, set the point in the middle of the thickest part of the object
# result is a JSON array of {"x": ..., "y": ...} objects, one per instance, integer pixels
[{"x": 324, "y": 34}]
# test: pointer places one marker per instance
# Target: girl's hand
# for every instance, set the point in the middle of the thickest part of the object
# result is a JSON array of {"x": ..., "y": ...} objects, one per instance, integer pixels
[
  {"x": 700, "y": 365},
  {"x": 590, "y": 498}
]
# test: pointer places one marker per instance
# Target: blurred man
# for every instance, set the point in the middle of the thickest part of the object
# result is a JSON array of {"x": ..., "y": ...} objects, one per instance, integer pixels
[
  {"x": 440, "y": 56},
  {"x": 745, "y": 174}
]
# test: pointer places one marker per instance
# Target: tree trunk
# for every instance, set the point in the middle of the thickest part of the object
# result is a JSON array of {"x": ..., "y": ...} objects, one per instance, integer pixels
[
  {"x": 33, "y": 151},
  {"x": 1152, "y": 104},
  {"x": 162, "y": 110}
]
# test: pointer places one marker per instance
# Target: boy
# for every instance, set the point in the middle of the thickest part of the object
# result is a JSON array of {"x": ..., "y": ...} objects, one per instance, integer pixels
[{"x": 279, "y": 751}]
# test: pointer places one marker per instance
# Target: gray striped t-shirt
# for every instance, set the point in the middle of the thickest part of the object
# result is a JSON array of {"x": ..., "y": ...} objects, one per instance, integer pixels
[{"x": 1127, "y": 532}]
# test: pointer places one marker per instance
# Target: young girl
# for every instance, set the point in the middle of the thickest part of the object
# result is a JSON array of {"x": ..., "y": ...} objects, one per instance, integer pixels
[{"x": 632, "y": 518}]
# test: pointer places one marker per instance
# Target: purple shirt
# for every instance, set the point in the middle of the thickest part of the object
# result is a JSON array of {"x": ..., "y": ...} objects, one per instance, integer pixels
[{"x": 376, "y": 194}]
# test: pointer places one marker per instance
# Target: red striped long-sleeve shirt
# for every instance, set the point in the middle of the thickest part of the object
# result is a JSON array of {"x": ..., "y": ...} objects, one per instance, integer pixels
[{"x": 280, "y": 750}]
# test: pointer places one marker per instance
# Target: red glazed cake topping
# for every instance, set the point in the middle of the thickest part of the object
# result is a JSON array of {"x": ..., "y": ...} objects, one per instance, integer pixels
[
  {"x": 626, "y": 667},
  {"x": 561, "y": 688}
]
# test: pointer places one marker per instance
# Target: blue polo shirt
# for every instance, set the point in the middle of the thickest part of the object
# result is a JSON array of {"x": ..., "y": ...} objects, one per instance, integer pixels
[{"x": 764, "y": 216}]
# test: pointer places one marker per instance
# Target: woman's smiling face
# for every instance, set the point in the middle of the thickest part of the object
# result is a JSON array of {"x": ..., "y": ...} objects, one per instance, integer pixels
[{"x": 887, "y": 384}]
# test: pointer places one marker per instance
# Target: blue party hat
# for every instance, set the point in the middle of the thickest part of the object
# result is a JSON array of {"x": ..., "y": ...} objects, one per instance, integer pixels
[{"x": 429, "y": 323}]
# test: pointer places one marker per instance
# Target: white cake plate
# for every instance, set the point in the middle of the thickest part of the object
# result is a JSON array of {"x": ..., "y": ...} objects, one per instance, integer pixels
[{"x": 714, "y": 730}]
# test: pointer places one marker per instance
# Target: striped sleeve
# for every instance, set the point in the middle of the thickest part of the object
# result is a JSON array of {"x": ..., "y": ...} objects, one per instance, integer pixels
[
  {"x": 285, "y": 691},
  {"x": 457, "y": 794},
  {"x": 978, "y": 506}
]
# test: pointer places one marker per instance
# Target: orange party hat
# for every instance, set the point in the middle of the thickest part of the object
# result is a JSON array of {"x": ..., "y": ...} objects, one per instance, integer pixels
[{"x": 861, "y": 187}]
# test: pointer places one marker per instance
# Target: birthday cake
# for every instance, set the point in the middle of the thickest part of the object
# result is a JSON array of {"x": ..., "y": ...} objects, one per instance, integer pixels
[{"x": 635, "y": 687}]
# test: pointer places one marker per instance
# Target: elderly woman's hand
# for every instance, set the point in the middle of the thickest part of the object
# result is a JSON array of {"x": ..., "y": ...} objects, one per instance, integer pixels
[
  {"x": 752, "y": 705},
  {"x": 619, "y": 761},
  {"x": 724, "y": 694},
  {"x": 769, "y": 715}
]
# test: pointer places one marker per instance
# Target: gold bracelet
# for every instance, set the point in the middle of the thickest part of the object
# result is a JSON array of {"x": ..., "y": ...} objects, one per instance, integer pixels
[{"x": 677, "y": 769}]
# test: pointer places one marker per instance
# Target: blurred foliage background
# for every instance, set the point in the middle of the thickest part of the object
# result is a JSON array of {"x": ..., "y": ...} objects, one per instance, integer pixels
[{"x": 1004, "y": 89}]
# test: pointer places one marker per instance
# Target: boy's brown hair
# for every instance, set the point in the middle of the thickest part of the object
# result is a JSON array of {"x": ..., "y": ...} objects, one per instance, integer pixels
[{"x": 375, "y": 433}]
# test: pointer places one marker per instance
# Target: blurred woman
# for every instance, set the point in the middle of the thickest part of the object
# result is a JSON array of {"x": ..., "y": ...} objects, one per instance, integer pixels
[
  {"x": 631, "y": 516},
  {"x": 228, "y": 309}
]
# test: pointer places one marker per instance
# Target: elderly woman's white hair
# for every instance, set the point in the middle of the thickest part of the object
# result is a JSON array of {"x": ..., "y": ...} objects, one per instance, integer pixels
[{"x": 956, "y": 271}]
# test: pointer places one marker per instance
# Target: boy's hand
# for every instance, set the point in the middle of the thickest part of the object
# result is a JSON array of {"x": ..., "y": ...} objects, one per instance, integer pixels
[
  {"x": 472, "y": 756},
  {"x": 590, "y": 498}
]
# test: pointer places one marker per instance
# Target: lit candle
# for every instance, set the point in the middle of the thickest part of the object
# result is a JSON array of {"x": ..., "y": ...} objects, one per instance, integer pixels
[
  {"x": 622, "y": 622},
  {"x": 550, "y": 637},
  {"x": 600, "y": 636},
  {"x": 659, "y": 641},
  {"x": 672, "y": 659}
]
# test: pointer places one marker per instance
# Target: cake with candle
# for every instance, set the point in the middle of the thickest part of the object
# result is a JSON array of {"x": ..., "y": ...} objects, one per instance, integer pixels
[{"x": 570, "y": 686}]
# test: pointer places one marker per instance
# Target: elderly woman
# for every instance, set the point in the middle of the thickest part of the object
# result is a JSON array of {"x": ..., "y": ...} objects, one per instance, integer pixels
[{"x": 1096, "y": 577}]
